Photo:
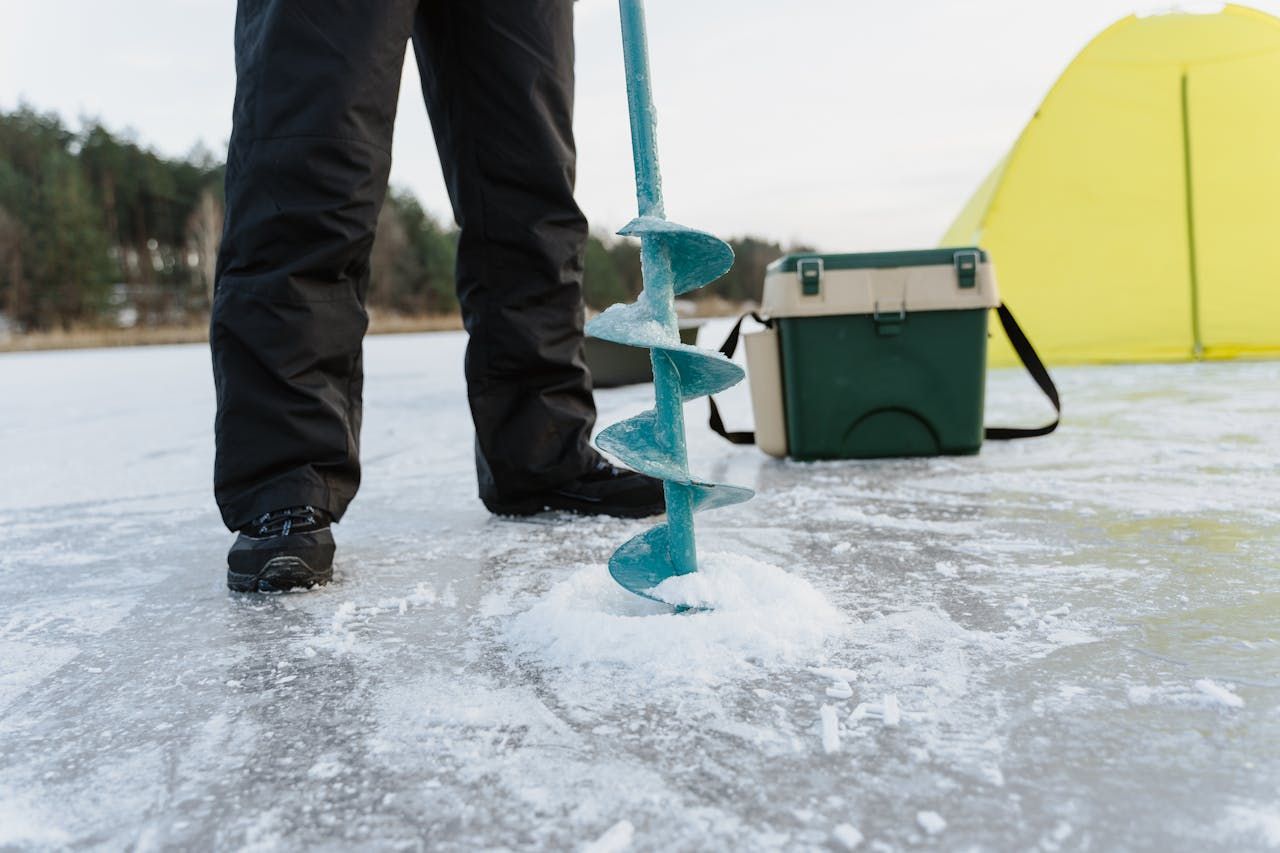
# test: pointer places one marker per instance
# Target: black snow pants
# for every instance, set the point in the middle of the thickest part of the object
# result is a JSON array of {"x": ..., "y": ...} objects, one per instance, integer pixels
[{"x": 316, "y": 93}]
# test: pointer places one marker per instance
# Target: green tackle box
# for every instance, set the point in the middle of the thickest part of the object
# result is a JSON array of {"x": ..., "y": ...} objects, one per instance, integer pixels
[{"x": 872, "y": 355}]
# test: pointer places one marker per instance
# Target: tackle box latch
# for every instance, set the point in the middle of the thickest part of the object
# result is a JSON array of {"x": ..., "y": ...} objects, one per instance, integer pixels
[
  {"x": 810, "y": 272},
  {"x": 888, "y": 323},
  {"x": 966, "y": 268}
]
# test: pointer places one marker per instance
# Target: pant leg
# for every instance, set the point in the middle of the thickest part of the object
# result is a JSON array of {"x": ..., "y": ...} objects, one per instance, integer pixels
[
  {"x": 316, "y": 91},
  {"x": 498, "y": 80}
]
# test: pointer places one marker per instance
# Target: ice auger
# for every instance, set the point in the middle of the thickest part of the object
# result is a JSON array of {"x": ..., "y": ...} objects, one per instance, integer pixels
[{"x": 674, "y": 260}]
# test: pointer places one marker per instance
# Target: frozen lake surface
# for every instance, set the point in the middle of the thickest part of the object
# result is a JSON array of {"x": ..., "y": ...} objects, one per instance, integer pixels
[{"x": 1069, "y": 643}]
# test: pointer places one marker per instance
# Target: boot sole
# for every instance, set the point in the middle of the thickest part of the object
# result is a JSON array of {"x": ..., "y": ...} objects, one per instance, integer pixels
[{"x": 281, "y": 573}]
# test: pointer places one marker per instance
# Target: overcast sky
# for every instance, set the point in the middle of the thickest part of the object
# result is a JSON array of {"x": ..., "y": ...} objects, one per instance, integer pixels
[{"x": 847, "y": 124}]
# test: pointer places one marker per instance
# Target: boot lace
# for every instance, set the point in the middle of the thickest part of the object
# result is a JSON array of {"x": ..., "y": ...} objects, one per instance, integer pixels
[
  {"x": 604, "y": 468},
  {"x": 282, "y": 522}
]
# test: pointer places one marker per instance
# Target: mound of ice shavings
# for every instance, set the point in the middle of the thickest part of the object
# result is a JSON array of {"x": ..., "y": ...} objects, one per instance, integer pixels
[{"x": 759, "y": 613}]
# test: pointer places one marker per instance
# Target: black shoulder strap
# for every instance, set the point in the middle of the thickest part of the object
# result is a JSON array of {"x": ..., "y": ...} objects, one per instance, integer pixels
[
  {"x": 1030, "y": 360},
  {"x": 728, "y": 348},
  {"x": 1021, "y": 346}
]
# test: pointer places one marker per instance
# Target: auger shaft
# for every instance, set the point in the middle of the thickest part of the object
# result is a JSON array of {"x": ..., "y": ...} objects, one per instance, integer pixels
[
  {"x": 659, "y": 280},
  {"x": 644, "y": 137},
  {"x": 680, "y": 540}
]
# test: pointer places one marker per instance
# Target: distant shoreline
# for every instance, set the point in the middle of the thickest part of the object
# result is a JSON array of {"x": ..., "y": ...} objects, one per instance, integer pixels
[
  {"x": 196, "y": 333},
  {"x": 91, "y": 337}
]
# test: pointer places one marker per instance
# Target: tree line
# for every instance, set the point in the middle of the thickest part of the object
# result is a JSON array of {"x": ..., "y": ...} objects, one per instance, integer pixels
[{"x": 97, "y": 228}]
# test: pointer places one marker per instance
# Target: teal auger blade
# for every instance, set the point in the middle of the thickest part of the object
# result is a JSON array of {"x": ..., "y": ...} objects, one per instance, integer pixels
[{"x": 674, "y": 259}]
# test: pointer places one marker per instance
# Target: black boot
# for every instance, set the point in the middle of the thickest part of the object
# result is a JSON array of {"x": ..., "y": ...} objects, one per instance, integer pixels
[
  {"x": 282, "y": 550},
  {"x": 605, "y": 490}
]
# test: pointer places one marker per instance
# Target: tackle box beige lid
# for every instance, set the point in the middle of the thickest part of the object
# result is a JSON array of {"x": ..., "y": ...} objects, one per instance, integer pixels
[{"x": 814, "y": 285}]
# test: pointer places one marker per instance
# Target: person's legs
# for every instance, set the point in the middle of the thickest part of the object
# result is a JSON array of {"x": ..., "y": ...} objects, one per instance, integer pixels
[
  {"x": 498, "y": 81},
  {"x": 316, "y": 92}
]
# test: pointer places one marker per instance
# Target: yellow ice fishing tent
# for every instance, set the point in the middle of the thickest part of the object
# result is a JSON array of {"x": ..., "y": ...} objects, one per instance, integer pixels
[{"x": 1137, "y": 218}]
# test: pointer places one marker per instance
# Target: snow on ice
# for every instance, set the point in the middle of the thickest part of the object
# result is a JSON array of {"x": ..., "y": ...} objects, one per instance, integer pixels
[
  {"x": 759, "y": 616},
  {"x": 847, "y": 836},
  {"x": 617, "y": 839},
  {"x": 1057, "y": 644},
  {"x": 840, "y": 690},
  {"x": 830, "y": 730},
  {"x": 1219, "y": 694},
  {"x": 931, "y": 822}
]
